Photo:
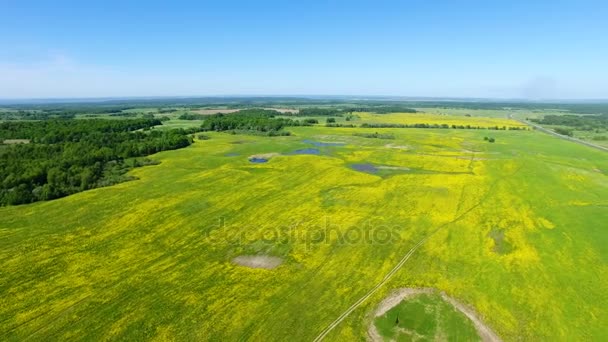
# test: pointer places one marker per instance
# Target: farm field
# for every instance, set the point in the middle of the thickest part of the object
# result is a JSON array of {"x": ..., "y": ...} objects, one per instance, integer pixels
[
  {"x": 513, "y": 229},
  {"x": 598, "y": 138},
  {"x": 434, "y": 118}
]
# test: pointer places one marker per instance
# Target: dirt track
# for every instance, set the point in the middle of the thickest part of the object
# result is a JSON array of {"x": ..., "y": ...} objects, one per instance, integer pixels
[
  {"x": 399, "y": 265},
  {"x": 485, "y": 333}
]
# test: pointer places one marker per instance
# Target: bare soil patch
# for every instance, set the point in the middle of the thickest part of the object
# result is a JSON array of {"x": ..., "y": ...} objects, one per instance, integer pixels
[
  {"x": 258, "y": 261},
  {"x": 214, "y": 111},
  {"x": 16, "y": 141},
  {"x": 285, "y": 110},
  {"x": 264, "y": 155},
  {"x": 398, "y": 168},
  {"x": 398, "y": 147}
]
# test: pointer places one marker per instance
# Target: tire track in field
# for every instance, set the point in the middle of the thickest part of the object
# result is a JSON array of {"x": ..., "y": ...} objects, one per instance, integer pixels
[
  {"x": 385, "y": 279},
  {"x": 403, "y": 260}
]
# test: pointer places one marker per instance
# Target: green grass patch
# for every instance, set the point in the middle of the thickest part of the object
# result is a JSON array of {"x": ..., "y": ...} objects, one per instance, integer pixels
[{"x": 425, "y": 317}]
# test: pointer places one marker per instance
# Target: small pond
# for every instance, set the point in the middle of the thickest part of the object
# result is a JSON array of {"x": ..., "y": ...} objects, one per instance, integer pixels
[
  {"x": 314, "y": 151},
  {"x": 369, "y": 168}
]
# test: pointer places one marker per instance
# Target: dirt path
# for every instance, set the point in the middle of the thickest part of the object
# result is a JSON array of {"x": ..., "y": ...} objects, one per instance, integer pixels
[
  {"x": 384, "y": 280},
  {"x": 400, "y": 264},
  {"x": 485, "y": 333}
]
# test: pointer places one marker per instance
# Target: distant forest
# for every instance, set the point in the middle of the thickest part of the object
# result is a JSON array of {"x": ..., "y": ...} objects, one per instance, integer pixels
[
  {"x": 444, "y": 126},
  {"x": 579, "y": 122},
  {"x": 251, "y": 121},
  {"x": 59, "y": 108},
  {"x": 67, "y": 156}
]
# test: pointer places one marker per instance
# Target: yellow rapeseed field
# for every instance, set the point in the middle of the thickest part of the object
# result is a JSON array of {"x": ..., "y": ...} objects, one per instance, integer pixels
[{"x": 514, "y": 228}]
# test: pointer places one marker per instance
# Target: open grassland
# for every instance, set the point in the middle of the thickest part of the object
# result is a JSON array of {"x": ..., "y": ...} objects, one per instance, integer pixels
[
  {"x": 493, "y": 113},
  {"x": 487, "y": 113},
  {"x": 599, "y": 137},
  {"x": 516, "y": 230},
  {"x": 177, "y": 123},
  {"x": 433, "y": 118}
]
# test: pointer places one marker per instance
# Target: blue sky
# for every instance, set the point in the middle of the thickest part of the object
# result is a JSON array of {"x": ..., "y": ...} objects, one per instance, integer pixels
[{"x": 495, "y": 49}]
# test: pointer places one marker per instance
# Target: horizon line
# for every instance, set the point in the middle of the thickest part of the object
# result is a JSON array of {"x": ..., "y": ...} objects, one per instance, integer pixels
[{"x": 362, "y": 97}]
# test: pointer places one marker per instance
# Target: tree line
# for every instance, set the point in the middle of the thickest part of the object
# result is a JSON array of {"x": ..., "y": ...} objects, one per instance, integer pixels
[
  {"x": 579, "y": 122},
  {"x": 383, "y": 109},
  {"x": 34, "y": 115},
  {"x": 69, "y": 156},
  {"x": 253, "y": 121},
  {"x": 342, "y": 111},
  {"x": 443, "y": 126},
  {"x": 52, "y": 131},
  {"x": 320, "y": 112},
  {"x": 192, "y": 116}
]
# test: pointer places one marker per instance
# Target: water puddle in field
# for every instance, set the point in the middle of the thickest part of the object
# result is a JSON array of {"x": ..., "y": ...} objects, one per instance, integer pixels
[
  {"x": 389, "y": 170},
  {"x": 313, "y": 151},
  {"x": 324, "y": 143},
  {"x": 258, "y": 261},
  {"x": 262, "y": 158},
  {"x": 385, "y": 169},
  {"x": 369, "y": 168}
]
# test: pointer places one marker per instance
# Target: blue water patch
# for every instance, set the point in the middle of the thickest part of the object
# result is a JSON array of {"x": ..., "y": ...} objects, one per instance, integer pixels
[
  {"x": 314, "y": 151},
  {"x": 390, "y": 170},
  {"x": 258, "y": 160},
  {"x": 369, "y": 168},
  {"x": 322, "y": 143}
]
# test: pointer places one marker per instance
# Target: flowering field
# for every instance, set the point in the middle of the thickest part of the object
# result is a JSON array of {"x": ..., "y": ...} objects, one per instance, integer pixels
[
  {"x": 515, "y": 229},
  {"x": 433, "y": 118}
]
